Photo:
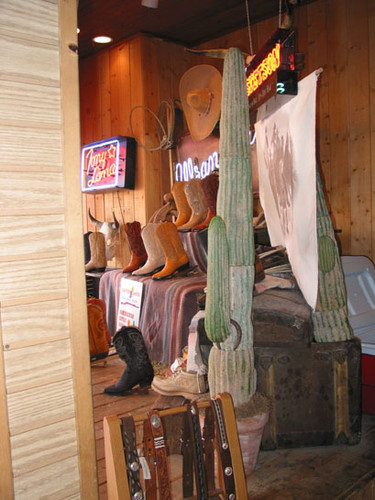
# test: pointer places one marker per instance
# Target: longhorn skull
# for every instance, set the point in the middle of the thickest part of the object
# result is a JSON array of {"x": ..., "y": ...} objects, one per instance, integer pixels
[{"x": 110, "y": 231}]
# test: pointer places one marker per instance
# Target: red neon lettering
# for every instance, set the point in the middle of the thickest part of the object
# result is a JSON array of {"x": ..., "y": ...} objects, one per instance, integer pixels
[
  {"x": 265, "y": 69},
  {"x": 102, "y": 173}
]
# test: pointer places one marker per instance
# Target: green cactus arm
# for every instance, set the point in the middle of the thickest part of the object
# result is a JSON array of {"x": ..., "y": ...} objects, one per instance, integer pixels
[{"x": 217, "y": 301}]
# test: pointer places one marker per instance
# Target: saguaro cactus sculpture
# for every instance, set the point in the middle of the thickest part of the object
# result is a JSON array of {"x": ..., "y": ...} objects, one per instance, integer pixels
[
  {"x": 330, "y": 319},
  {"x": 230, "y": 273}
]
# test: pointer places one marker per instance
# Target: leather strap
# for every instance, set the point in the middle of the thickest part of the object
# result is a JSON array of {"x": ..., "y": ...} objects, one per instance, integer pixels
[
  {"x": 200, "y": 472},
  {"x": 226, "y": 459},
  {"x": 131, "y": 457},
  {"x": 149, "y": 453},
  {"x": 187, "y": 463},
  {"x": 208, "y": 446},
  {"x": 160, "y": 455}
]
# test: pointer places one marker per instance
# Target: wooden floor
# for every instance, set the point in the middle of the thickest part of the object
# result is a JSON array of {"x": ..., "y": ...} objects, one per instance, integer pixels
[{"x": 326, "y": 473}]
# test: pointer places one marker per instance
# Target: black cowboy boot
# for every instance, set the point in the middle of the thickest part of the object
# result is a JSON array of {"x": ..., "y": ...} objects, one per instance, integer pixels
[{"x": 130, "y": 346}]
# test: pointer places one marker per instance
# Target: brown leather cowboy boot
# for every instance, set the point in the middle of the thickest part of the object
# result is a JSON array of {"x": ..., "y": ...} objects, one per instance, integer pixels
[
  {"x": 210, "y": 187},
  {"x": 138, "y": 254}
]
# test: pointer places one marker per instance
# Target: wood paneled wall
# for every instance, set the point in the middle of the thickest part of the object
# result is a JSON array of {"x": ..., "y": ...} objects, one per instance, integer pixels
[
  {"x": 337, "y": 35},
  {"x": 140, "y": 72},
  {"x": 46, "y": 431}
]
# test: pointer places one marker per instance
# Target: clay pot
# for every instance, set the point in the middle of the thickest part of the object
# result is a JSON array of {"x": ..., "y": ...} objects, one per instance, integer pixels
[{"x": 250, "y": 430}]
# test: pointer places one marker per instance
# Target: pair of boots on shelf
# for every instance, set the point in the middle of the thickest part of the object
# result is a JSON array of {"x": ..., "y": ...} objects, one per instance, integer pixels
[
  {"x": 195, "y": 202},
  {"x": 156, "y": 250},
  {"x": 131, "y": 348}
]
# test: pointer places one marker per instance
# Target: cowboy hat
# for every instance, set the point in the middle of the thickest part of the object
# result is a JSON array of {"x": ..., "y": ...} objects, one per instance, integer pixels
[{"x": 200, "y": 94}]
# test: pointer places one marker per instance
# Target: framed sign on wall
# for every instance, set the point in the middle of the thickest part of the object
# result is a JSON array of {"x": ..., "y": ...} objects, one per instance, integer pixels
[{"x": 108, "y": 164}]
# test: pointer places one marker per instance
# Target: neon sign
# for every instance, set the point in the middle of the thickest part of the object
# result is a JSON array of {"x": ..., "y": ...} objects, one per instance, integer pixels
[
  {"x": 189, "y": 170},
  {"x": 272, "y": 71},
  {"x": 108, "y": 164},
  {"x": 265, "y": 69}
]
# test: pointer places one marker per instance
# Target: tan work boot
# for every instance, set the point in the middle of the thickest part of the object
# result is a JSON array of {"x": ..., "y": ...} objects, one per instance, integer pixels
[
  {"x": 182, "y": 204},
  {"x": 175, "y": 256},
  {"x": 195, "y": 197},
  {"x": 180, "y": 383}
]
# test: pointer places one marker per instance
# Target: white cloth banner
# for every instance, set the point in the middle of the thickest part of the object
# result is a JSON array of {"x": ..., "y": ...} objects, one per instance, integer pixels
[{"x": 287, "y": 182}]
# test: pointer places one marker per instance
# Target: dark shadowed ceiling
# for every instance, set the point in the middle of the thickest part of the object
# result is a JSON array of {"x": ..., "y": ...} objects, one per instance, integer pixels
[{"x": 187, "y": 22}]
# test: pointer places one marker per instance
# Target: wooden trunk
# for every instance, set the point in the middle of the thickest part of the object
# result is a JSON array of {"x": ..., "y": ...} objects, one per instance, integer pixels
[{"x": 315, "y": 390}]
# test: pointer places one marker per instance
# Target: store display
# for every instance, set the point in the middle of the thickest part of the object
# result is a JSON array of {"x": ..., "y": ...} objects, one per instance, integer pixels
[
  {"x": 138, "y": 254},
  {"x": 130, "y": 346}
]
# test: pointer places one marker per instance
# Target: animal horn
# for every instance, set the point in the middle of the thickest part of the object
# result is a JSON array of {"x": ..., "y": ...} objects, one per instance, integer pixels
[
  {"x": 116, "y": 223},
  {"x": 95, "y": 221}
]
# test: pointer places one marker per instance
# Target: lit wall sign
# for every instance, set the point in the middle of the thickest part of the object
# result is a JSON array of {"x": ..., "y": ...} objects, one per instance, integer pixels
[
  {"x": 108, "y": 164},
  {"x": 272, "y": 71},
  {"x": 190, "y": 170}
]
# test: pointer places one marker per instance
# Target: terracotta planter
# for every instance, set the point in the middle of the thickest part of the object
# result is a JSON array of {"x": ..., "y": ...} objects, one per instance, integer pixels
[{"x": 250, "y": 432}]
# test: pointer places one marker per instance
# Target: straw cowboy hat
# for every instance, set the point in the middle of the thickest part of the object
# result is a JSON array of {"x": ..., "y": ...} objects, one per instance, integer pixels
[{"x": 200, "y": 94}]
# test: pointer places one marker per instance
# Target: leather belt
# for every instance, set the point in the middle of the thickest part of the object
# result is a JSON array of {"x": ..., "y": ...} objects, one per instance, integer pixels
[
  {"x": 200, "y": 472},
  {"x": 149, "y": 453},
  {"x": 131, "y": 457},
  {"x": 160, "y": 455},
  {"x": 226, "y": 459},
  {"x": 187, "y": 460}
]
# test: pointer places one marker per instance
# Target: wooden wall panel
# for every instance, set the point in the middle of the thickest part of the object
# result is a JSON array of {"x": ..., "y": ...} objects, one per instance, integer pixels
[
  {"x": 34, "y": 323},
  {"x": 40, "y": 406},
  {"x": 32, "y": 279},
  {"x": 42, "y": 285},
  {"x": 40, "y": 447},
  {"x": 31, "y": 486},
  {"x": 35, "y": 192},
  {"x": 359, "y": 126},
  {"x": 31, "y": 366},
  {"x": 32, "y": 234}
]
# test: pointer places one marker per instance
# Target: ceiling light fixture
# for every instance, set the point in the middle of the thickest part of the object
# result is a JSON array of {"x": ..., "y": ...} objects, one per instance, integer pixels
[
  {"x": 102, "y": 39},
  {"x": 152, "y": 4}
]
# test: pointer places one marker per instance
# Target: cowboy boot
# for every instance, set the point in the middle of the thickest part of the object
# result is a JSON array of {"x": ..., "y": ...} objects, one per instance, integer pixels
[
  {"x": 182, "y": 204},
  {"x": 210, "y": 187},
  {"x": 130, "y": 346},
  {"x": 138, "y": 254},
  {"x": 175, "y": 256},
  {"x": 194, "y": 195},
  {"x": 97, "y": 251},
  {"x": 156, "y": 258}
]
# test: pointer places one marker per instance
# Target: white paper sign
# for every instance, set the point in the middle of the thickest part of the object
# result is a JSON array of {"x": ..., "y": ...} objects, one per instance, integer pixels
[{"x": 129, "y": 309}]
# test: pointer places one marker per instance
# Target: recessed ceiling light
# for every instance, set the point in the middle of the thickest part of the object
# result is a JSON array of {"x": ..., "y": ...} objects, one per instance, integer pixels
[
  {"x": 78, "y": 31},
  {"x": 102, "y": 39}
]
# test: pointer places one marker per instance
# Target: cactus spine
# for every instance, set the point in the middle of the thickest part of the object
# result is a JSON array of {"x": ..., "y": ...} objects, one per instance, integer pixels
[
  {"x": 230, "y": 273},
  {"x": 330, "y": 319}
]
